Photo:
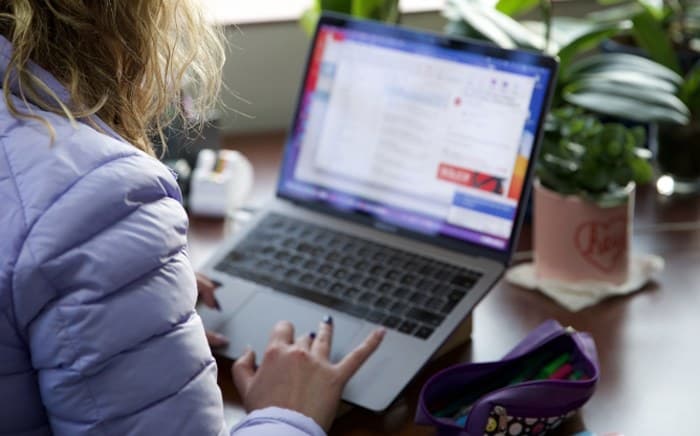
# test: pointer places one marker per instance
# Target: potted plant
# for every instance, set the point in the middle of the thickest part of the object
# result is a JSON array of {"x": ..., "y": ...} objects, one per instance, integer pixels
[
  {"x": 587, "y": 169},
  {"x": 584, "y": 197},
  {"x": 668, "y": 32},
  {"x": 381, "y": 10}
]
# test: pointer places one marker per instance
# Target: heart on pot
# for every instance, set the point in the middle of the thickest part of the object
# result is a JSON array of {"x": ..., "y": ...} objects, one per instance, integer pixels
[{"x": 602, "y": 244}]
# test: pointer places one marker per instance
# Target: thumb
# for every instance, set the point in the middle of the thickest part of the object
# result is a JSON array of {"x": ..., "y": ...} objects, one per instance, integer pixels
[{"x": 243, "y": 371}]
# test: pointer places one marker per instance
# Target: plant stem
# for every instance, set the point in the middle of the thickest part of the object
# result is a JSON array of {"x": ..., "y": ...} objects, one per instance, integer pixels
[{"x": 546, "y": 9}]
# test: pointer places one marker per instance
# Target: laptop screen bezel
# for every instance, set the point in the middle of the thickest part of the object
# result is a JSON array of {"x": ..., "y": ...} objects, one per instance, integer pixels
[{"x": 440, "y": 40}]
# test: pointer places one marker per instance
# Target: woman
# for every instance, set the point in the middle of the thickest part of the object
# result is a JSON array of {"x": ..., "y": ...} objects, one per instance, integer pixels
[{"x": 98, "y": 333}]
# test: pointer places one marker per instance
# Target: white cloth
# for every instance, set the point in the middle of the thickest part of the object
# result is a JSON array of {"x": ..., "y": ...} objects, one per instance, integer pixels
[{"x": 577, "y": 296}]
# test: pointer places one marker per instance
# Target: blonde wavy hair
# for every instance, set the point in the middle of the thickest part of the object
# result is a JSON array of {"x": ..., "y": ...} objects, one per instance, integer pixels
[{"x": 124, "y": 61}]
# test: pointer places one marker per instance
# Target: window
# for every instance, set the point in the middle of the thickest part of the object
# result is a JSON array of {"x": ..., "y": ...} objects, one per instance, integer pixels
[{"x": 260, "y": 11}]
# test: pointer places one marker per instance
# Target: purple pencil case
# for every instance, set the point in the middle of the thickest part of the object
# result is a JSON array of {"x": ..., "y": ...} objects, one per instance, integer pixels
[{"x": 521, "y": 394}]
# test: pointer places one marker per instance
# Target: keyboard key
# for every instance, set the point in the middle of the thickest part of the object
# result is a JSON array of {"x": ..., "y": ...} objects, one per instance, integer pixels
[
  {"x": 340, "y": 274},
  {"x": 385, "y": 288},
  {"x": 447, "y": 307},
  {"x": 417, "y": 298},
  {"x": 337, "y": 289},
  {"x": 434, "y": 303},
  {"x": 355, "y": 278},
  {"x": 325, "y": 268},
  {"x": 376, "y": 270},
  {"x": 322, "y": 283},
  {"x": 441, "y": 290},
  {"x": 393, "y": 274},
  {"x": 391, "y": 321},
  {"x": 366, "y": 298},
  {"x": 347, "y": 261},
  {"x": 375, "y": 316},
  {"x": 456, "y": 295},
  {"x": 424, "y": 316},
  {"x": 464, "y": 281},
  {"x": 310, "y": 264},
  {"x": 423, "y": 332},
  {"x": 426, "y": 270},
  {"x": 370, "y": 283},
  {"x": 398, "y": 308},
  {"x": 425, "y": 284},
  {"x": 408, "y": 279},
  {"x": 401, "y": 293},
  {"x": 351, "y": 293},
  {"x": 394, "y": 261},
  {"x": 362, "y": 265},
  {"x": 282, "y": 255},
  {"x": 407, "y": 327},
  {"x": 382, "y": 302},
  {"x": 442, "y": 274}
]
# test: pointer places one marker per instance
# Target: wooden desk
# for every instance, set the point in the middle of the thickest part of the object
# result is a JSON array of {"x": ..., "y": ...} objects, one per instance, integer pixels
[{"x": 647, "y": 342}]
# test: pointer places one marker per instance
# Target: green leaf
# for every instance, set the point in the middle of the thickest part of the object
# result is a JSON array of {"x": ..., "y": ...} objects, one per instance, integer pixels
[
  {"x": 642, "y": 170},
  {"x": 654, "y": 7},
  {"x": 309, "y": 19},
  {"x": 516, "y": 7},
  {"x": 628, "y": 78},
  {"x": 653, "y": 38},
  {"x": 627, "y": 105},
  {"x": 589, "y": 37},
  {"x": 618, "y": 13},
  {"x": 475, "y": 17},
  {"x": 643, "y": 95},
  {"x": 342, "y": 6},
  {"x": 690, "y": 91},
  {"x": 495, "y": 26},
  {"x": 621, "y": 62},
  {"x": 383, "y": 10}
]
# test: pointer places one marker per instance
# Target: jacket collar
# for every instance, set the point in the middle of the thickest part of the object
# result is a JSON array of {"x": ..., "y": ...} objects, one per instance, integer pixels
[{"x": 48, "y": 79}]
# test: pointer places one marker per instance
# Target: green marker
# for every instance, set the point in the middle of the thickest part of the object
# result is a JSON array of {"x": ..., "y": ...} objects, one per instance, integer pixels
[
  {"x": 532, "y": 366},
  {"x": 552, "y": 367},
  {"x": 576, "y": 375}
]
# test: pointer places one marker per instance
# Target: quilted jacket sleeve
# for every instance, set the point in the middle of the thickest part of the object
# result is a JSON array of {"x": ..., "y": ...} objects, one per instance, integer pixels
[{"x": 104, "y": 294}]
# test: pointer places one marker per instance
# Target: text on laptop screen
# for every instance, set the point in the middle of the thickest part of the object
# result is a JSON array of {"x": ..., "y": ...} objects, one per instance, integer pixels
[{"x": 421, "y": 136}]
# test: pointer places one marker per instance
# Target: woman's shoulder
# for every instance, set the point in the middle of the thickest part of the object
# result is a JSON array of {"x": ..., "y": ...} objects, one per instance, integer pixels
[{"x": 43, "y": 170}]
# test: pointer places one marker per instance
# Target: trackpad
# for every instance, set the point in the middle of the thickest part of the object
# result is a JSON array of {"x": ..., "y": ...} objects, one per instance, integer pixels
[{"x": 253, "y": 322}]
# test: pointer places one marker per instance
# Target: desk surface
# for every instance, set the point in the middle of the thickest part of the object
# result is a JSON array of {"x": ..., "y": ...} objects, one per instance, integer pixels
[{"x": 647, "y": 342}]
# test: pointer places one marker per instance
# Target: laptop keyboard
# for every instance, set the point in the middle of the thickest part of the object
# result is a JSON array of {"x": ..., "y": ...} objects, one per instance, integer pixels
[{"x": 398, "y": 289}]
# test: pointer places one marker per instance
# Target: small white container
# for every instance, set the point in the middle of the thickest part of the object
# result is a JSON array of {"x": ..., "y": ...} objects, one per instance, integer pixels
[{"x": 220, "y": 184}]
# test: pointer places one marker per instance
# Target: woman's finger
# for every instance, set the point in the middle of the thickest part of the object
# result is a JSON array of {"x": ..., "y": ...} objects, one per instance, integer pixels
[
  {"x": 323, "y": 342},
  {"x": 243, "y": 371},
  {"x": 282, "y": 332},
  {"x": 216, "y": 340},
  {"x": 354, "y": 359},
  {"x": 206, "y": 288},
  {"x": 304, "y": 341}
]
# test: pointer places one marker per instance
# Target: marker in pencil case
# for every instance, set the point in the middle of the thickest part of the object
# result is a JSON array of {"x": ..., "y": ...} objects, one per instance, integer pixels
[
  {"x": 532, "y": 367},
  {"x": 577, "y": 375},
  {"x": 563, "y": 372},
  {"x": 553, "y": 366}
]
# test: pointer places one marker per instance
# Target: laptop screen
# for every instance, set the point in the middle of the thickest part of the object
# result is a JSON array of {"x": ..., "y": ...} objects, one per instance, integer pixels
[{"x": 416, "y": 133}]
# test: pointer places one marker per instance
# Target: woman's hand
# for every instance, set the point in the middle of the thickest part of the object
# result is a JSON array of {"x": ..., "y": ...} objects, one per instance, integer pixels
[
  {"x": 297, "y": 375},
  {"x": 206, "y": 289}
]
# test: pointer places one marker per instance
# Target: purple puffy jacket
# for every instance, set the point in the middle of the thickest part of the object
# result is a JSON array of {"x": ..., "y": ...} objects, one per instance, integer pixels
[{"x": 98, "y": 333}]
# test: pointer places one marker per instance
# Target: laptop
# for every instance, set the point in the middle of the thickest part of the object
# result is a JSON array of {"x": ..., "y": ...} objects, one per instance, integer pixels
[{"x": 399, "y": 200}]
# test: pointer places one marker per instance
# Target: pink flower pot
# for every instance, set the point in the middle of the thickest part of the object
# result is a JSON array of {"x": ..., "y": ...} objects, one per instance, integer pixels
[{"x": 576, "y": 240}]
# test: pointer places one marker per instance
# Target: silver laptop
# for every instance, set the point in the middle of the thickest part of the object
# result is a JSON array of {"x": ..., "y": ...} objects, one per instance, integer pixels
[{"x": 399, "y": 200}]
